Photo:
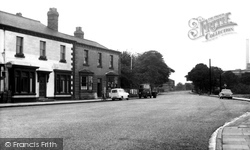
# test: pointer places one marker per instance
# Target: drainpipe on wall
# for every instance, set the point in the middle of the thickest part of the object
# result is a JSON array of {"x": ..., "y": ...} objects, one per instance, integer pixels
[
  {"x": 5, "y": 84},
  {"x": 3, "y": 54}
]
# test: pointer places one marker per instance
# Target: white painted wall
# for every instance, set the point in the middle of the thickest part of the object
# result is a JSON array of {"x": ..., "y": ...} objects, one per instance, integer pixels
[
  {"x": 31, "y": 50},
  {"x": 1, "y": 45}
]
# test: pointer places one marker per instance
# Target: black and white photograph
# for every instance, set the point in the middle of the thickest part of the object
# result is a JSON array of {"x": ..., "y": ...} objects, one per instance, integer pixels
[{"x": 124, "y": 75}]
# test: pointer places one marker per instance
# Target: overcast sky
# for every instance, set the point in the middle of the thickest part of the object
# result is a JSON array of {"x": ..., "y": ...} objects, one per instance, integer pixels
[{"x": 141, "y": 25}]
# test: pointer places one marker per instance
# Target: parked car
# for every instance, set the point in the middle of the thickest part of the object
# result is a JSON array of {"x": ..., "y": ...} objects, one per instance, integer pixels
[
  {"x": 226, "y": 93},
  {"x": 119, "y": 93},
  {"x": 145, "y": 91}
]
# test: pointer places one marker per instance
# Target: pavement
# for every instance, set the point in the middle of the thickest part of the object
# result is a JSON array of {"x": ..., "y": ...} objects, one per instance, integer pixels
[{"x": 234, "y": 135}]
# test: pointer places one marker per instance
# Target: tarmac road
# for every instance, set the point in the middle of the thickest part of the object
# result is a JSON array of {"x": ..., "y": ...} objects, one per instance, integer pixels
[{"x": 177, "y": 120}]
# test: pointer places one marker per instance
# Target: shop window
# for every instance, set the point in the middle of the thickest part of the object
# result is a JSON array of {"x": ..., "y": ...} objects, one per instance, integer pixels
[
  {"x": 24, "y": 82},
  {"x": 112, "y": 82},
  {"x": 87, "y": 83},
  {"x": 63, "y": 83}
]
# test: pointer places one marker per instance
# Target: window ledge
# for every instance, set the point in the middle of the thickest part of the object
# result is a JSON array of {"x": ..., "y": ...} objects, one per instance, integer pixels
[
  {"x": 63, "y": 61},
  {"x": 42, "y": 58},
  {"x": 19, "y": 55},
  {"x": 87, "y": 91}
]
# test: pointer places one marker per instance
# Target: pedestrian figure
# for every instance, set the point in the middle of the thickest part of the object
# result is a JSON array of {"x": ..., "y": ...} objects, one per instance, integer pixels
[{"x": 104, "y": 94}]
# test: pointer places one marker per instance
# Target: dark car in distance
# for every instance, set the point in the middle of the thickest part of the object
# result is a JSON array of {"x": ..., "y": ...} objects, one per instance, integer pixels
[{"x": 145, "y": 90}]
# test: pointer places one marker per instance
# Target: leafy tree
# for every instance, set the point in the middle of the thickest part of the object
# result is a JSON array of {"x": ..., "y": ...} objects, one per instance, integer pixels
[
  {"x": 230, "y": 79},
  {"x": 126, "y": 72},
  {"x": 199, "y": 75},
  {"x": 189, "y": 86},
  {"x": 180, "y": 87},
  {"x": 241, "y": 89},
  {"x": 215, "y": 79},
  {"x": 245, "y": 78},
  {"x": 151, "y": 68}
]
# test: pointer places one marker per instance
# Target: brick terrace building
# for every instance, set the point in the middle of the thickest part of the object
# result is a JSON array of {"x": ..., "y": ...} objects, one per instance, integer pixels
[{"x": 96, "y": 68}]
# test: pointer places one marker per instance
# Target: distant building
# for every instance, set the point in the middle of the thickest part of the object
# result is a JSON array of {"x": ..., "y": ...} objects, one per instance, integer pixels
[
  {"x": 168, "y": 86},
  {"x": 239, "y": 72}
]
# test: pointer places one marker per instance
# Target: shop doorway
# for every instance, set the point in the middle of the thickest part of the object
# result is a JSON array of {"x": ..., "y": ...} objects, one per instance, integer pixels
[{"x": 99, "y": 87}]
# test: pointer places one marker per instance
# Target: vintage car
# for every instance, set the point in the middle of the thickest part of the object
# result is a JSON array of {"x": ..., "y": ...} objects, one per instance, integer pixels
[
  {"x": 226, "y": 93},
  {"x": 119, "y": 93}
]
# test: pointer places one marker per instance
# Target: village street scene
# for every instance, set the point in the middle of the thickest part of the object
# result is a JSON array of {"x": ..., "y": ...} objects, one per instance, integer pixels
[{"x": 111, "y": 79}]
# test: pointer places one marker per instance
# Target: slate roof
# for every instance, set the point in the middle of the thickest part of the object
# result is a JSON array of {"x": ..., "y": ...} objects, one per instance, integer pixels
[{"x": 21, "y": 22}]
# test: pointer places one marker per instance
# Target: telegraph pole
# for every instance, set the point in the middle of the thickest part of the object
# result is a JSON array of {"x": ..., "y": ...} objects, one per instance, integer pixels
[{"x": 210, "y": 77}]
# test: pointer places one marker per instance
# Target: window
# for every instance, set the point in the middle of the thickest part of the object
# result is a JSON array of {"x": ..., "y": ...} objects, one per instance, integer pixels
[
  {"x": 99, "y": 62},
  {"x": 63, "y": 81},
  {"x": 112, "y": 82},
  {"x": 24, "y": 82},
  {"x": 86, "y": 83},
  {"x": 62, "y": 54},
  {"x": 19, "y": 47},
  {"x": 86, "y": 57},
  {"x": 42, "y": 50},
  {"x": 111, "y": 65}
]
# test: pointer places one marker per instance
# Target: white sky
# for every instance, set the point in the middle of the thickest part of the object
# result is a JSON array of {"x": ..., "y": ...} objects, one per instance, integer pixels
[{"x": 141, "y": 25}]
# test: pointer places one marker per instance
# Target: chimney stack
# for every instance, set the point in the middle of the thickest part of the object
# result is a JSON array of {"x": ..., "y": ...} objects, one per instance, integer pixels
[
  {"x": 19, "y": 14},
  {"x": 79, "y": 33},
  {"x": 53, "y": 19}
]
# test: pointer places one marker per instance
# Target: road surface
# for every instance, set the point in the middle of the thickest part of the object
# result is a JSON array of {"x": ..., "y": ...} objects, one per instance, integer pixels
[{"x": 177, "y": 120}]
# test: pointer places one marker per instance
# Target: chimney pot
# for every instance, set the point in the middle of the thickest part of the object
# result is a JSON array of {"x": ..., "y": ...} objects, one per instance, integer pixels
[
  {"x": 79, "y": 33},
  {"x": 19, "y": 14}
]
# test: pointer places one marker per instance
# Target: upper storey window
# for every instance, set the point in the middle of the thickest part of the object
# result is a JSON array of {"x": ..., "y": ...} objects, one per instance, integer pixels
[
  {"x": 86, "y": 57},
  {"x": 42, "y": 50},
  {"x": 62, "y": 54},
  {"x": 19, "y": 47}
]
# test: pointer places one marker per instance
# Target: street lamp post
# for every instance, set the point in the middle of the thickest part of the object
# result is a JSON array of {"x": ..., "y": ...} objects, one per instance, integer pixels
[
  {"x": 221, "y": 80},
  {"x": 210, "y": 77}
]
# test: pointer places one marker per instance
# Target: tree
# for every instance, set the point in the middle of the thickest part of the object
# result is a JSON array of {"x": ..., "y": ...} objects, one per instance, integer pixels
[
  {"x": 151, "y": 68},
  {"x": 215, "y": 79},
  {"x": 245, "y": 78},
  {"x": 189, "y": 86},
  {"x": 180, "y": 87},
  {"x": 126, "y": 72},
  {"x": 230, "y": 79},
  {"x": 199, "y": 75}
]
